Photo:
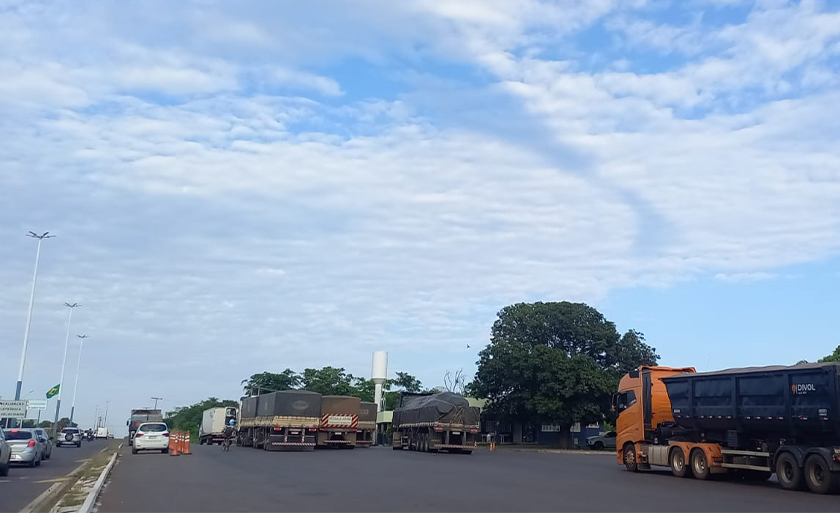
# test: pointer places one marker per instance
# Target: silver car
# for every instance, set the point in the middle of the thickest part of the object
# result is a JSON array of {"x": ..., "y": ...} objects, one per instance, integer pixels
[
  {"x": 27, "y": 447},
  {"x": 5, "y": 455},
  {"x": 602, "y": 441},
  {"x": 69, "y": 436},
  {"x": 42, "y": 434}
]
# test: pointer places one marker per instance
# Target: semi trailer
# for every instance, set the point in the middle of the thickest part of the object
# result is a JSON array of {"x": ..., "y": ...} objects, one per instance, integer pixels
[
  {"x": 213, "y": 422},
  {"x": 280, "y": 421},
  {"x": 339, "y": 421},
  {"x": 747, "y": 423},
  {"x": 367, "y": 424},
  {"x": 138, "y": 416},
  {"x": 435, "y": 422}
]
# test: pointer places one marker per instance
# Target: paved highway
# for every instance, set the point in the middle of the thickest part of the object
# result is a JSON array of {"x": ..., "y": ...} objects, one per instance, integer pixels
[
  {"x": 24, "y": 484},
  {"x": 380, "y": 479}
]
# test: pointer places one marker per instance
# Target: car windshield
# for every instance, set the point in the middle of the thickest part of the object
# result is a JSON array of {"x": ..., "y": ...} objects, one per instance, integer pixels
[
  {"x": 153, "y": 428},
  {"x": 14, "y": 434}
]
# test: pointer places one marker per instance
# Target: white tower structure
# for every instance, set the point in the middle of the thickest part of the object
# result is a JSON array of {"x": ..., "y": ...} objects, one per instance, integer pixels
[{"x": 379, "y": 373}]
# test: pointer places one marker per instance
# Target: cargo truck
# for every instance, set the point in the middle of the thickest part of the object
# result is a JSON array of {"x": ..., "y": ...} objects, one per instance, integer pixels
[
  {"x": 213, "y": 422},
  {"x": 435, "y": 422},
  {"x": 280, "y": 421},
  {"x": 367, "y": 424},
  {"x": 138, "y": 417},
  {"x": 339, "y": 421},
  {"x": 744, "y": 424}
]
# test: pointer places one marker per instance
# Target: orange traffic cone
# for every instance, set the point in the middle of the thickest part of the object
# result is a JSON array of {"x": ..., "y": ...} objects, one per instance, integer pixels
[
  {"x": 173, "y": 443},
  {"x": 185, "y": 449}
]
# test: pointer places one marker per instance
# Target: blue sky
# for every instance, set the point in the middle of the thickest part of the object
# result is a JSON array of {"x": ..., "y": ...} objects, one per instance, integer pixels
[{"x": 261, "y": 185}]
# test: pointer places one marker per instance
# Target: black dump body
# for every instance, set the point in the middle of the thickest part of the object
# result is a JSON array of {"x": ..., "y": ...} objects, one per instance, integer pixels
[
  {"x": 367, "y": 412},
  {"x": 290, "y": 403},
  {"x": 249, "y": 407},
  {"x": 801, "y": 401},
  {"x": 445, "y": 408}
]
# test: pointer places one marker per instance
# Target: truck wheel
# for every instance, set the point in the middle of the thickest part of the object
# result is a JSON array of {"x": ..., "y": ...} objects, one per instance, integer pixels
[
  {"x": 630, "y": 458},
  {"x": 818, "y": 475},
  {"x": 788, "y": 472},
  {"x": 678, "y": 466},
  {"x": 699, "y": 464}
]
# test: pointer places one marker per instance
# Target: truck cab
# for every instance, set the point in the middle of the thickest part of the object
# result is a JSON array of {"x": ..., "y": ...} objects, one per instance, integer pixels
[{"x": 641, "y": 404}]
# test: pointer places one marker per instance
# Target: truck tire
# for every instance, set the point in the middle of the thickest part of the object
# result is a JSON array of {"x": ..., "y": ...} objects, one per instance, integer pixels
[
  {"x": 678, "y": 463},
  {"x": 699, "y": 464},
  {"x": 788, "y": 472},
  {"x": 201, "y": 440},
  {"x": 630, "y": 458},
  {"x": 818, "y": 475}
]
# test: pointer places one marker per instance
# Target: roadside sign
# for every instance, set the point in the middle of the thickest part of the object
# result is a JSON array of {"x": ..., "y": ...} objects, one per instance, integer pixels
[
  {"x": 13, "y": 409},
  {"x": 38, "y": 404}
]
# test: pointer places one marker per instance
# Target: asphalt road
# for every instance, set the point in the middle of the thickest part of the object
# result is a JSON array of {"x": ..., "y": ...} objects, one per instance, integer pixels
[
  {"x": 379, "y": 479},
  {"x": 24, "y": 484}
]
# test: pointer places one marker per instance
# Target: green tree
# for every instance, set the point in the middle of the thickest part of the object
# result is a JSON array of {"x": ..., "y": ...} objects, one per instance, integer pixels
[
  {"x": 28, "y": 423},
  {"x": 406, "y": 382},
  {"x": 555, "y": 363},
  {"x": 328, "y": 381},
  {"x": 188, "y": 418},
  {"x": 363, "y": 389},
  {"x": 266, "y": 382},
  {"x": 833, "y": 357},
  {"x": 64, "y": 422},
  {"x": 45, "y": 424}
]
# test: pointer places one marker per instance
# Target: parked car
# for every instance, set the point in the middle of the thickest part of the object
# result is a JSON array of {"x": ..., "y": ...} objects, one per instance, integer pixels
[
  {"x": 5, "y": 455},
  {"x": 70, "y": 436},
  {"x": 602, "y": 441},
  {"x": 26, "y": 446},
  {"x": 151, "y": 436},
  {"x": 43, "y": 435}
]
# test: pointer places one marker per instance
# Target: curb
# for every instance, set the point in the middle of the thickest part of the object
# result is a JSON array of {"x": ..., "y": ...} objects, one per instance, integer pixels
[
  {"x": 50, "y": 492},
  {"x": 90, "y": 501}
]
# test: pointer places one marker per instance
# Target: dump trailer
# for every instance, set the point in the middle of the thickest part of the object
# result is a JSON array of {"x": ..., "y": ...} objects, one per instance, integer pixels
[
  {"x": 213, "y": 422},
  {"x": 435, "y": 422},
  {"x": 738, "y": 423},
  {"x": 280, "y": 421},
  {"x": 138, "y": 417},
  {"x": 367, "y": 425},
  {"x": 339, "y": 421}
]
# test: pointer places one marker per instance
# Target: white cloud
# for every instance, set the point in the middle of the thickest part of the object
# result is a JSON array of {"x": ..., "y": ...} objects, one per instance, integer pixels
[
  {"x": 744, "y": 277},
  {"x": 323, "y": 85}
]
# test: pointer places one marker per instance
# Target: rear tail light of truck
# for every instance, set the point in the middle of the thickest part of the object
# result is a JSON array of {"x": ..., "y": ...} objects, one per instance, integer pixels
[
  {"x": 31, "y": 443},
  {"x": 438, "y": 429},
  {"x": 473, "y": 431}
]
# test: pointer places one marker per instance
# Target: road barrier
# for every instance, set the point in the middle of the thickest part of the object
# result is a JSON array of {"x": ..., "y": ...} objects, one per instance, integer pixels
[
  {"x": 185, "y": 442},
  {"x": 173, "y": 443},
  {"x": 179, "y": 443}
]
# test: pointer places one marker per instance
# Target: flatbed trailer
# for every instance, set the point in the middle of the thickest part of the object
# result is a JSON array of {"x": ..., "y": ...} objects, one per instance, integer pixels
[
  {"x": 279, "y": 433},
  {"x": 435, "y": 422},
  {"x": 367, "y": 425}
]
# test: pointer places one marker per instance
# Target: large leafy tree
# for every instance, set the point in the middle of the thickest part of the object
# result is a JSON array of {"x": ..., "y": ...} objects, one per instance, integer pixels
[
  {"x": 833, "y": 357},
  {"x": 406, "y": 382},
  {"x": 266, "y": 382},
  {"x": 555, "y": 363},
  {"x": 328, "y": 381}
]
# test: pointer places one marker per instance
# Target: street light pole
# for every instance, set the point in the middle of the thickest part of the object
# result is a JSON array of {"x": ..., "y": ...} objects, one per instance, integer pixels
[
  {"x": 40, "y": 238},
  {"x": 64, "y": 362},
  {"x": 156, "y": 400},
  {"x": 78, "y": 368}
]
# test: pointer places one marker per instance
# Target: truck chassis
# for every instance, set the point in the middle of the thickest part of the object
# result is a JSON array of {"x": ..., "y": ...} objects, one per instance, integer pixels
[
  {"x": 435, "y": 437},
  {"x": 278, "y": 433}
]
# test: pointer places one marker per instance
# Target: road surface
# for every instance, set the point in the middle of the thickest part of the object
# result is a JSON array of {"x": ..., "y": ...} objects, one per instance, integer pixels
[
  {"x": 25, "y": 484},
  {"x": 379, "y": 479}
]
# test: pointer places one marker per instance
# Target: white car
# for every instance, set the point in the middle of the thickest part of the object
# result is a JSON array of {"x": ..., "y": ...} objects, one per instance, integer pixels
[
  {"x": 69, "y": 436},
  {"x": 151, "y": 436},
  {"x": 5, "y": 455}
]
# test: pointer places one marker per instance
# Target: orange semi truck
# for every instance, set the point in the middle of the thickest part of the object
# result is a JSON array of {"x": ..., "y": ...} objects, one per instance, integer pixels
[{"x": 739, "y": 423}]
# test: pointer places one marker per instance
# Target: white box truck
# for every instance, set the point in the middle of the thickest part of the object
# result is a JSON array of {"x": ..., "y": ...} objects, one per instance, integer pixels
[
  {"x": 102, "y": 432},
  {"x": 213, "y": 422}
]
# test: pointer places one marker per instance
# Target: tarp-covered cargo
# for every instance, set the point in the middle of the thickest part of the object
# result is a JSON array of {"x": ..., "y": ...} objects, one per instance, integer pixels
[
  {"x": 340, "y": 404},
  {"x": 778, "y": 399},
  {"x": 290, "y": 403},
  {"x": 443, "y": 408},
  {"x": 248, "y": 408},
  {"x": 367, "y": 412}
]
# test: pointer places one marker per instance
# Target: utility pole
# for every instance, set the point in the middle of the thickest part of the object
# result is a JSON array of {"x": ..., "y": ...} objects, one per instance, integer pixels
[
  {"x": 78, "y": 368},
  {"x": 40, "y": 238},
  {"x": 105, "y": 422},
  {"x": 156, "y": 400},
  {"x": 63, "y": 365}
]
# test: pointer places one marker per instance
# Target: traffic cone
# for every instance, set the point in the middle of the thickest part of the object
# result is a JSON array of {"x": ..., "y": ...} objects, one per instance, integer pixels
[
  {"x": 185, "y": 449},
  {"x": 173, "y": 443}
]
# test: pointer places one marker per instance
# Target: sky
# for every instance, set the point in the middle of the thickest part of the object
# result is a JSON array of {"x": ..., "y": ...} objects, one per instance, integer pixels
[{"x": 247, "y": 186}]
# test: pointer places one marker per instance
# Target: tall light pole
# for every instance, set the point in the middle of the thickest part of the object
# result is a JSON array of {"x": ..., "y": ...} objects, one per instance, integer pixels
[
  {"x": 156, "y": 400},
  {"x": 45, "y": 235},
  {"x": 78, "y": 368},
  {"x": 64, "y": 362}
]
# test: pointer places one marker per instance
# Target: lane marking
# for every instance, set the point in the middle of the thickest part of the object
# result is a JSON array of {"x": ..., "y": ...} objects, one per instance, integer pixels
[{"x": 56, "y": 480}]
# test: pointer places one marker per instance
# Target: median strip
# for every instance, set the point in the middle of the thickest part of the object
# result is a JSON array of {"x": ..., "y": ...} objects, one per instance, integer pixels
[{"x": 81, "y": 495}]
